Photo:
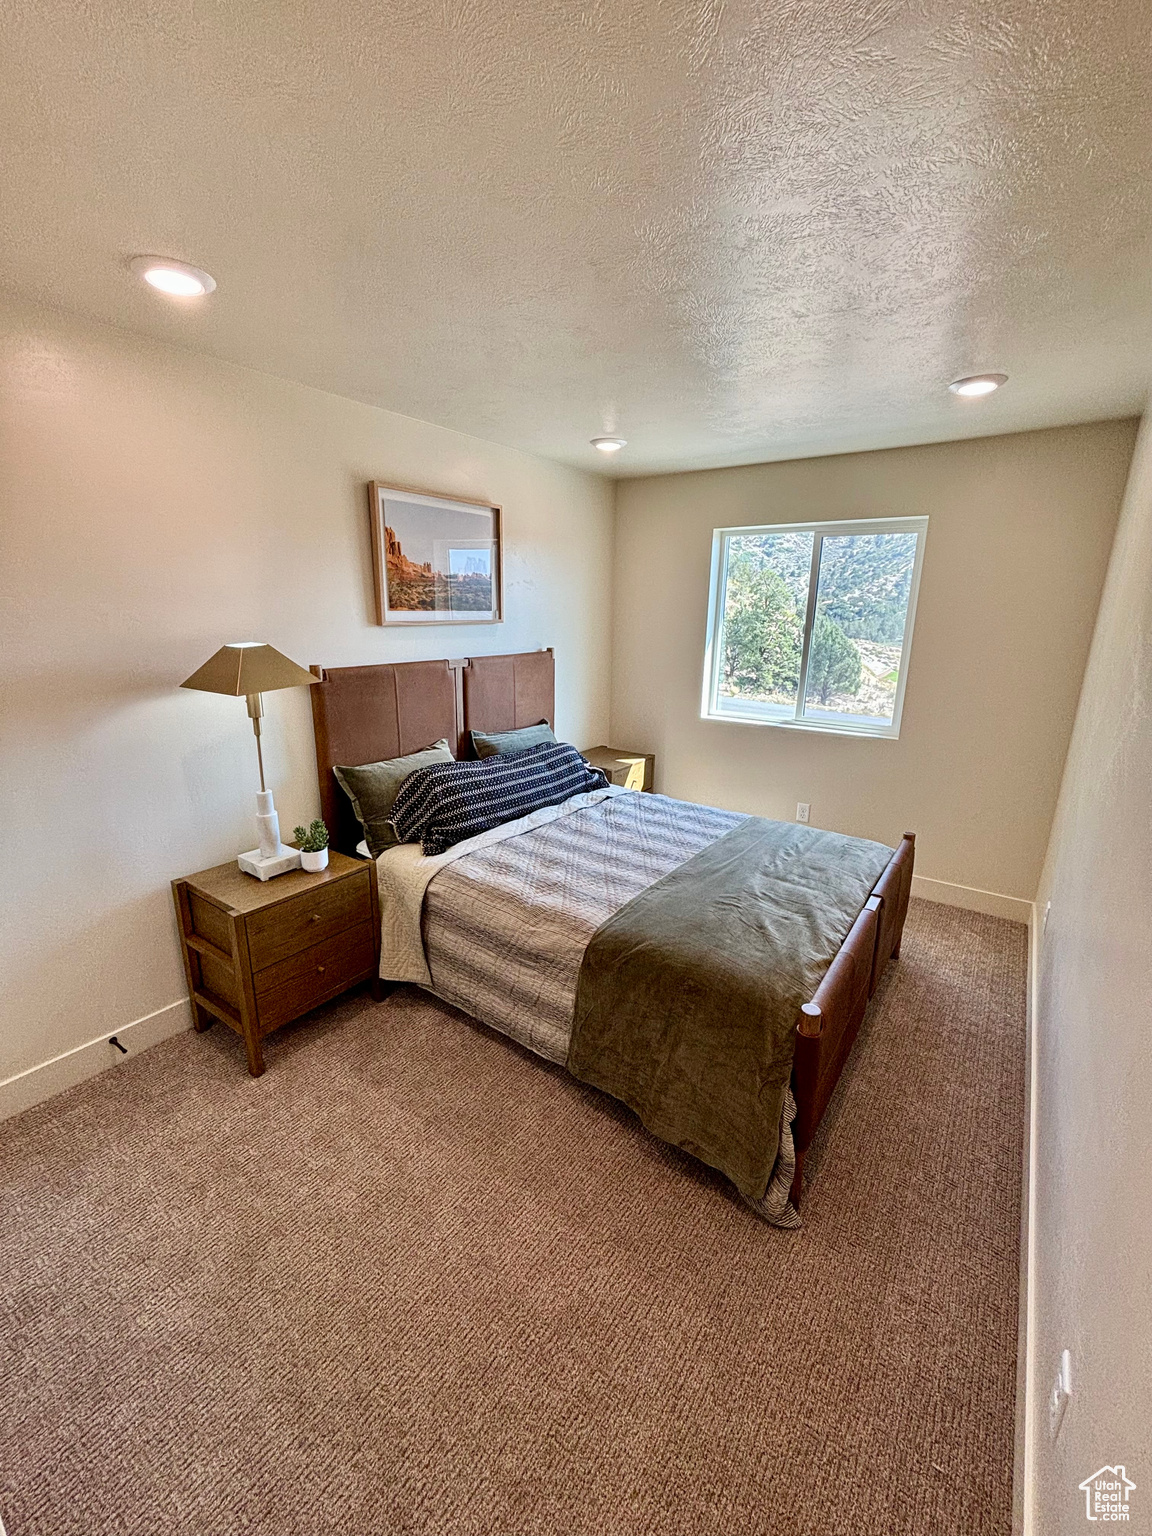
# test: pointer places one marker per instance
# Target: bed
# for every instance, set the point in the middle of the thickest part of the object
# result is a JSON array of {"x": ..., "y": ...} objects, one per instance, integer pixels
[{"x": 507, "y": 925}]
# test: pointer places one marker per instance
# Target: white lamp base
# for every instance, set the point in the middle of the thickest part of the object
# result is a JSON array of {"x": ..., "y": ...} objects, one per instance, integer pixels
[
  {"x": 271, "y": 858},
  {"x": 254, "y": 863}
]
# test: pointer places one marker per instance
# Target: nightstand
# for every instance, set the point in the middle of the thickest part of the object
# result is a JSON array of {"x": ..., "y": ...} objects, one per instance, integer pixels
[
  {"x": 259, "y": 953},
  {"x": 634, "y": 770}
]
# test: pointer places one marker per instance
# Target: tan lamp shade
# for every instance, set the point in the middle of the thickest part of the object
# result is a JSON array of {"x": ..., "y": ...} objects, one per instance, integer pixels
[{"x": 248, "y": 667}]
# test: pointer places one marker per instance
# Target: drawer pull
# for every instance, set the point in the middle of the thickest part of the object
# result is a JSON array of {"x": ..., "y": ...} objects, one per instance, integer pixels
[
  {"x": 316, "y": 917},
  {"x": 319, "y": 970}
]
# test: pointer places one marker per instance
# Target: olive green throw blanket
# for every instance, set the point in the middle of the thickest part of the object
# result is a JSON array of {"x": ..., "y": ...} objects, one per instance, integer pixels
[{"x": 688, "y": 997}]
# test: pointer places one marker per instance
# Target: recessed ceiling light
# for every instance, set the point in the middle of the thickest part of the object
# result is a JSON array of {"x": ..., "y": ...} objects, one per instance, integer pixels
[
  {"x": 609, "y": 444},
  {"x": 978, "y": 384},
  {"x": 175, "y": 278}
]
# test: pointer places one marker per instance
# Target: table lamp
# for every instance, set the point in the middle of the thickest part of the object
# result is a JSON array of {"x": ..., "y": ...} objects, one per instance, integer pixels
[{"x": 251, "y": 668}]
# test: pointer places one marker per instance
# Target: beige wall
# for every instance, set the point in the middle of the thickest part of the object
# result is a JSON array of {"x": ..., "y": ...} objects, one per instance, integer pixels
[
  {"x": 155, "y": 504},
  {"x": 1018, "y": 540},
  {"x": 1092, "y": 1277}
]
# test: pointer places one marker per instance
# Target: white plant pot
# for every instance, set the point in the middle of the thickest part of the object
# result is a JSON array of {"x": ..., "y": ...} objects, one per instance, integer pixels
[{"x": 314, "y": 861}]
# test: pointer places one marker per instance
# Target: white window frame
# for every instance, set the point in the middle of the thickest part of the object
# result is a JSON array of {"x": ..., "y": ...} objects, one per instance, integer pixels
[{"x": 819, "y": 531}]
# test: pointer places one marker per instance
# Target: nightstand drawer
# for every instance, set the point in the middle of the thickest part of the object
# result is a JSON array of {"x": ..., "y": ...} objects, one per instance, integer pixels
[
  {"x": 296, "y": 924},
  {"x": 292, "y": 986}
]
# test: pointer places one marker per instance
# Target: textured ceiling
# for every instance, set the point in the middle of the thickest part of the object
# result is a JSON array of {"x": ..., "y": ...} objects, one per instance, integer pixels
[{"x": 729, "y": 231}]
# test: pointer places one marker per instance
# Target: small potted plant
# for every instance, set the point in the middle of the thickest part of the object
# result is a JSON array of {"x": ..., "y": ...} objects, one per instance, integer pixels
[{"x": 313, "y": 845}]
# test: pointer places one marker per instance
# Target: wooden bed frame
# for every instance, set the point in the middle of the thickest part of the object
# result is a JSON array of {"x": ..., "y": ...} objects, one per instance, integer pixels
[{"x": 366, "y": 714}]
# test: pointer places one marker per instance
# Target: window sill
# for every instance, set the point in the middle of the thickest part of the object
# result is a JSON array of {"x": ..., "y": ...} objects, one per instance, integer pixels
[{"x": 855, "y": 727}]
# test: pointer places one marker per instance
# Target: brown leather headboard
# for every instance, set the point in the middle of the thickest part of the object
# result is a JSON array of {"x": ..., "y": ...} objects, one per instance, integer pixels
[
  {"x": 365, "y": 714},
  {"x": 504, "y": 693}
]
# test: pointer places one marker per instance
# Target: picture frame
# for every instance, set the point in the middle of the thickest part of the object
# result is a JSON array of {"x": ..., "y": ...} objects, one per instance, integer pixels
[{"x": 435, "y": 559}]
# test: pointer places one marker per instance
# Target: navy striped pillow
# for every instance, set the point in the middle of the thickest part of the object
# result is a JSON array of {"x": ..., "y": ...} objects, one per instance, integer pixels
[{"x": 447, "y": 802}]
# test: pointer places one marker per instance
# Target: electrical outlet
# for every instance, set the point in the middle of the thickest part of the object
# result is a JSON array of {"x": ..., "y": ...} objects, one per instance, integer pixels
[
  {"x": 1061, "y": 1392},
  {"x": 802, "y": 809}
]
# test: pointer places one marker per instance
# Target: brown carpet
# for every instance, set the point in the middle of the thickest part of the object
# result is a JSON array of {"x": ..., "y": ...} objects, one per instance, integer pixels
[{"x": 413, "y": 1280}]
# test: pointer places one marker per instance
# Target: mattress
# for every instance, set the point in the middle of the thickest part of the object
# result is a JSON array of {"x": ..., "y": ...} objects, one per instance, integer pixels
[
  {"x": 499, "y": 925},
  {"x": 504, "y": 928}
]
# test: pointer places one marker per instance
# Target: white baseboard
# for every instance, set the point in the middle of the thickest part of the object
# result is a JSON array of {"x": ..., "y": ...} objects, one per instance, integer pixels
[
  {"x": 991, "y": 903},
  {"x": 71, "y": 1067},
  {"x": 1024, "y": 1460}
]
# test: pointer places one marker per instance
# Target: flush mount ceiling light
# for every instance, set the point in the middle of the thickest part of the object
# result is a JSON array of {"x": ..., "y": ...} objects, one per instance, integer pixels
[
  {"x": 175, "y": 278},
  {"x": 609, "y": 444},
  {"x": 978, "y": 384}
]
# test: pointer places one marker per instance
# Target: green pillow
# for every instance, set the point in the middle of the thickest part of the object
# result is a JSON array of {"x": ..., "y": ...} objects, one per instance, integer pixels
[
  {"x": 373, "y": 787},
  {"x": 496, "y": 745}
]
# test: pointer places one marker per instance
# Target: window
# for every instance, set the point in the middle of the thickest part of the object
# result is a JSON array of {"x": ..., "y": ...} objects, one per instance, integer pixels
[{"x": 811, "y": 624}]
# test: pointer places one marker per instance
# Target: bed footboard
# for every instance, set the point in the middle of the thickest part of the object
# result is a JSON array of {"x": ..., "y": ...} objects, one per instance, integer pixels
[
  {"x": 827, "y": 1028},
  {"x": 829, "y": 1024}
]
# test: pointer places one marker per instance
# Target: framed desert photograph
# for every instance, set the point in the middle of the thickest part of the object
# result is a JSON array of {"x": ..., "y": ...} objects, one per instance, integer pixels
[{"x": 436, "y": 559}]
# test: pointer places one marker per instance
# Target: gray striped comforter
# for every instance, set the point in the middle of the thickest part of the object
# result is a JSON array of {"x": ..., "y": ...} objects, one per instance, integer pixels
[{"x": 505, "y": 928}]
